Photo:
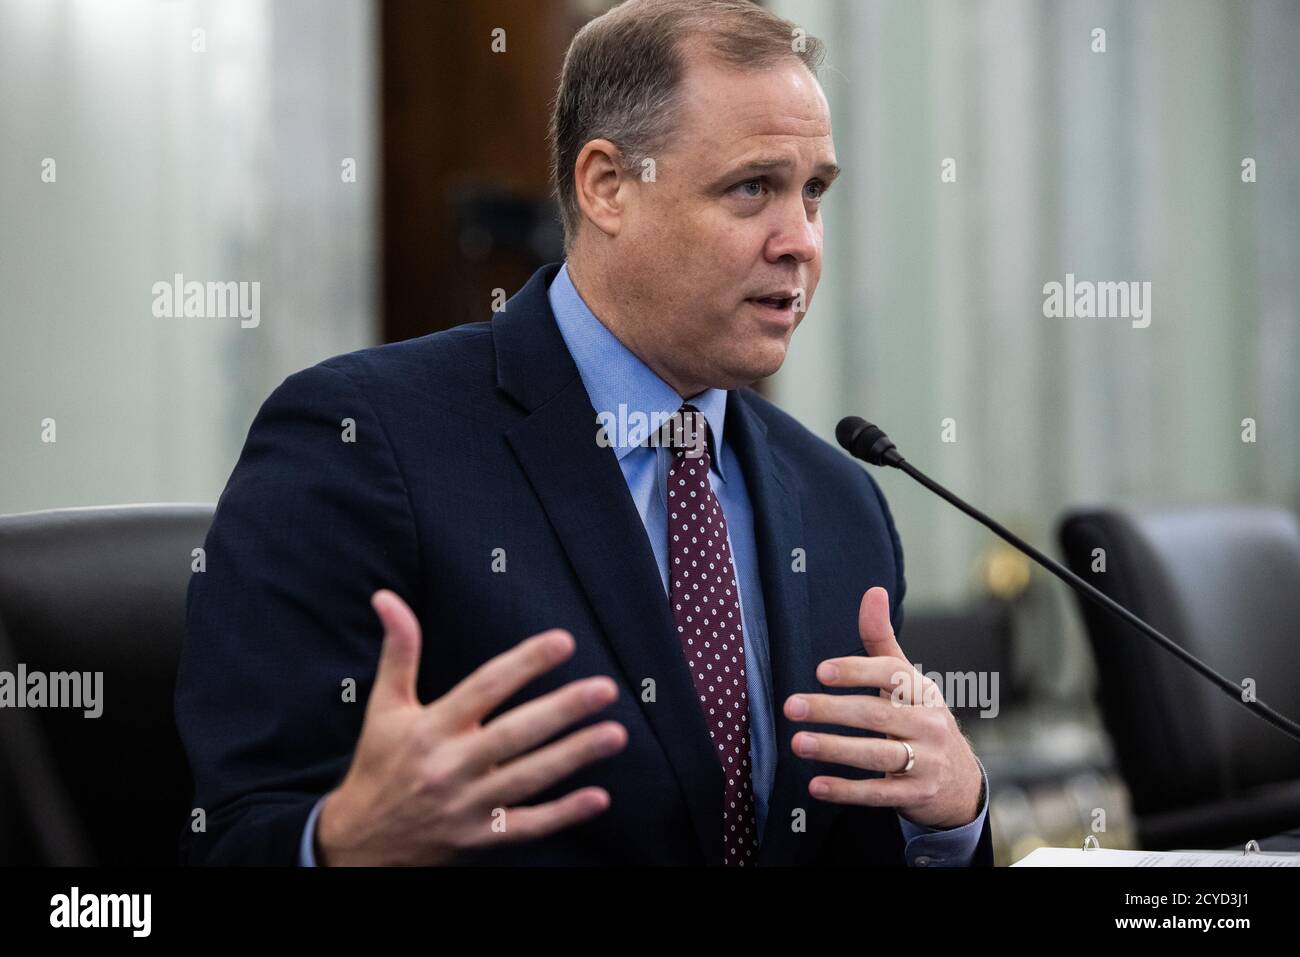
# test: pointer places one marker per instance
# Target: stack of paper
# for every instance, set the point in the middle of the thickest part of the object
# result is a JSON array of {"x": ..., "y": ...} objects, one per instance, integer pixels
[{"x": 1101, "y": 857}]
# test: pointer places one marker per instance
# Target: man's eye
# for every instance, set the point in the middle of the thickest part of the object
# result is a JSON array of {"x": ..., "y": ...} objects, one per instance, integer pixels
[
  {"x": 820, "y": 187},
  {"x": 749, "y": 182}
]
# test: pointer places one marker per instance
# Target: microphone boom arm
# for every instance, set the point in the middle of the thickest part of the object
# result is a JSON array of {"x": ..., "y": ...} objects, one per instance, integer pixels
[{"x": 865, "y": 441}]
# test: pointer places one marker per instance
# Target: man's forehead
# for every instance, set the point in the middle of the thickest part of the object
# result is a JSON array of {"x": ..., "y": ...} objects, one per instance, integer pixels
[{"x": 738, "y": 113}]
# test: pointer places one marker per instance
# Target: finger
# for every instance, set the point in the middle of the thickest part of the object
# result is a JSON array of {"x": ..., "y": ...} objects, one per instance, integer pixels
[
  {"x": 531, "y": 823},
  {"x": 874, "y": 792},
  {"x": 867, "y": 712},
  {"x": 499, "y": 678},
  {"x": 896, "y": 678},
  {"x": 534, "y": 773},
  {"x": 870, "y": 754},
  {"x": 874, "y": 626},
  {"x": 399, "y": 657},
  {"x": 529, "y": 724}
]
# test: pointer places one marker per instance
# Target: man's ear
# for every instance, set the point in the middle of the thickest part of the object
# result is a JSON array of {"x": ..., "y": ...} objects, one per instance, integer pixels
[{"x": 600, "y": 185}]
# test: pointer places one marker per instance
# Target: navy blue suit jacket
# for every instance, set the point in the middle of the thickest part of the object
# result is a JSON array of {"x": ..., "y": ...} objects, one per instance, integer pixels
[{"x": 480, "y": 438}]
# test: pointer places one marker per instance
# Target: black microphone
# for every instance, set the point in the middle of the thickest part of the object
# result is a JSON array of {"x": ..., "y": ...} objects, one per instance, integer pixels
[{"x": 865, "y": 441}]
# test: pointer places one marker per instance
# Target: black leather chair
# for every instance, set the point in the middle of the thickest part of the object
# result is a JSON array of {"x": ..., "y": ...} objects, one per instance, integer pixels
[
  {"x": 1223, "y": 583},
  {"x": 86, "y": 590}
]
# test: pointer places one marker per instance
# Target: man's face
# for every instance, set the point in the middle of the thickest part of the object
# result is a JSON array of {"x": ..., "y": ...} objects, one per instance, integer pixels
[{"x": 733, "y": 216}]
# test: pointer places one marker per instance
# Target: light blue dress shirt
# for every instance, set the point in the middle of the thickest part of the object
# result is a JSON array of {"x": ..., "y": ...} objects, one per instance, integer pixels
[{"x": 614, "y": 377}]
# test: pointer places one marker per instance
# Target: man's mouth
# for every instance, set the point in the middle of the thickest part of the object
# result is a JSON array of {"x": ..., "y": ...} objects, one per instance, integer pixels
[{"x": 775, "y": 303}]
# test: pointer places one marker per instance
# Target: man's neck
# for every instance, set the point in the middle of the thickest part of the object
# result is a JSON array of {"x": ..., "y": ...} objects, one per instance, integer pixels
[{"x": 589, "y": 285}]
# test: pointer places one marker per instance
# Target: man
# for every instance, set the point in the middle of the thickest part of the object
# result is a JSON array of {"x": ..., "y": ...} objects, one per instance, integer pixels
[{"x": 477, "y": 487}]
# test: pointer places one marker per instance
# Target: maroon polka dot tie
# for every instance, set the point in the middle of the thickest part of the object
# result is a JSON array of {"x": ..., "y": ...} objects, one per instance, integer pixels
[{"x": 706, "y": 610}]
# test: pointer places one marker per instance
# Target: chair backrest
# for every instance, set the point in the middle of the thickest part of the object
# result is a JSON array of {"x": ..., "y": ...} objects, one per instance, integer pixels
[
  {"x": 97, "y": 590},
  {"x": 1223, "y": 583}
]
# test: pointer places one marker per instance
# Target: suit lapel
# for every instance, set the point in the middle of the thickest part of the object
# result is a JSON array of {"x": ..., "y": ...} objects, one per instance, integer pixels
[
  {"x": 583, "y": 492},
  {"x": 778, "y": 530}
]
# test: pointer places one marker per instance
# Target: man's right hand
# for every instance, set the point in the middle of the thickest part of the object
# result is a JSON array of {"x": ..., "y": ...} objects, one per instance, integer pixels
[{"x": 430, "y": 781}]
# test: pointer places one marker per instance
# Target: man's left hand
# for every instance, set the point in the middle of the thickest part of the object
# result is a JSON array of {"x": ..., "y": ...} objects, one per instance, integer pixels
[{"x": 942, "y": 790}]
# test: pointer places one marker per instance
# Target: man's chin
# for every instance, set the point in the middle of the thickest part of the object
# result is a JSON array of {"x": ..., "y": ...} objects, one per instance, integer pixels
[{"x": 762, "y": 365}]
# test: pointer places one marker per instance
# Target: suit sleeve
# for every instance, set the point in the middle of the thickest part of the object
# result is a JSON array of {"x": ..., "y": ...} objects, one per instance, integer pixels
[
  {"x": 949, "y": 847},
  {"x": 281, "y": 642}
]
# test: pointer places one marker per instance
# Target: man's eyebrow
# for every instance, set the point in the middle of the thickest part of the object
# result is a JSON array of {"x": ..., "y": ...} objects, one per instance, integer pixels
[{"x": 828, "y": 171}]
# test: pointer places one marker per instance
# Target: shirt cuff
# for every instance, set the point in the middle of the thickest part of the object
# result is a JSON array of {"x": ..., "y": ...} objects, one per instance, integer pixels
[
  {"x": 307, "y": 848},
  {"x": 946, "y": 847}
]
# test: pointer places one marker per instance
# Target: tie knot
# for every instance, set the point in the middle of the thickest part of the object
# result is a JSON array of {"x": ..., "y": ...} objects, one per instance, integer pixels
[{"x": 689, "y": 433}]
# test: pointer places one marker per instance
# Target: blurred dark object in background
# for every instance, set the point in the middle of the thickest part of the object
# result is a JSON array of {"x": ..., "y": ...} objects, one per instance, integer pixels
[
  {"x": 492, "y": 223},
  {"x": 86, "y": 590},
  {"x": 1224, "y": 584},
  {"x": 466, "y": 184},
  {"x": 975, "y": 638}
]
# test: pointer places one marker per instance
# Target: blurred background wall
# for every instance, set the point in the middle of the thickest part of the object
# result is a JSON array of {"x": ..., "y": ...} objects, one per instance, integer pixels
[
  {"x": 221, "y": 156},
  {"x": 1122, "y": 165},
  {"x": 217, "y": 155}
]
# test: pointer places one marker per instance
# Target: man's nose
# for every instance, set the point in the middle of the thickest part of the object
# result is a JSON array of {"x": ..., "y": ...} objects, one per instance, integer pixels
[{"x": 795, "y": 235}]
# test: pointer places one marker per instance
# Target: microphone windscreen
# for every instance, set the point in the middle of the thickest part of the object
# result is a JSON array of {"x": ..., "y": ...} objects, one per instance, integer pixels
[{"x": 850, "y": 428}]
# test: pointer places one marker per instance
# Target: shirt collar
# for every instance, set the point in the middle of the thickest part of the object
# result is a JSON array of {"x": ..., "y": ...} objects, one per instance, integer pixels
[{"x": 615, "y": 377}]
